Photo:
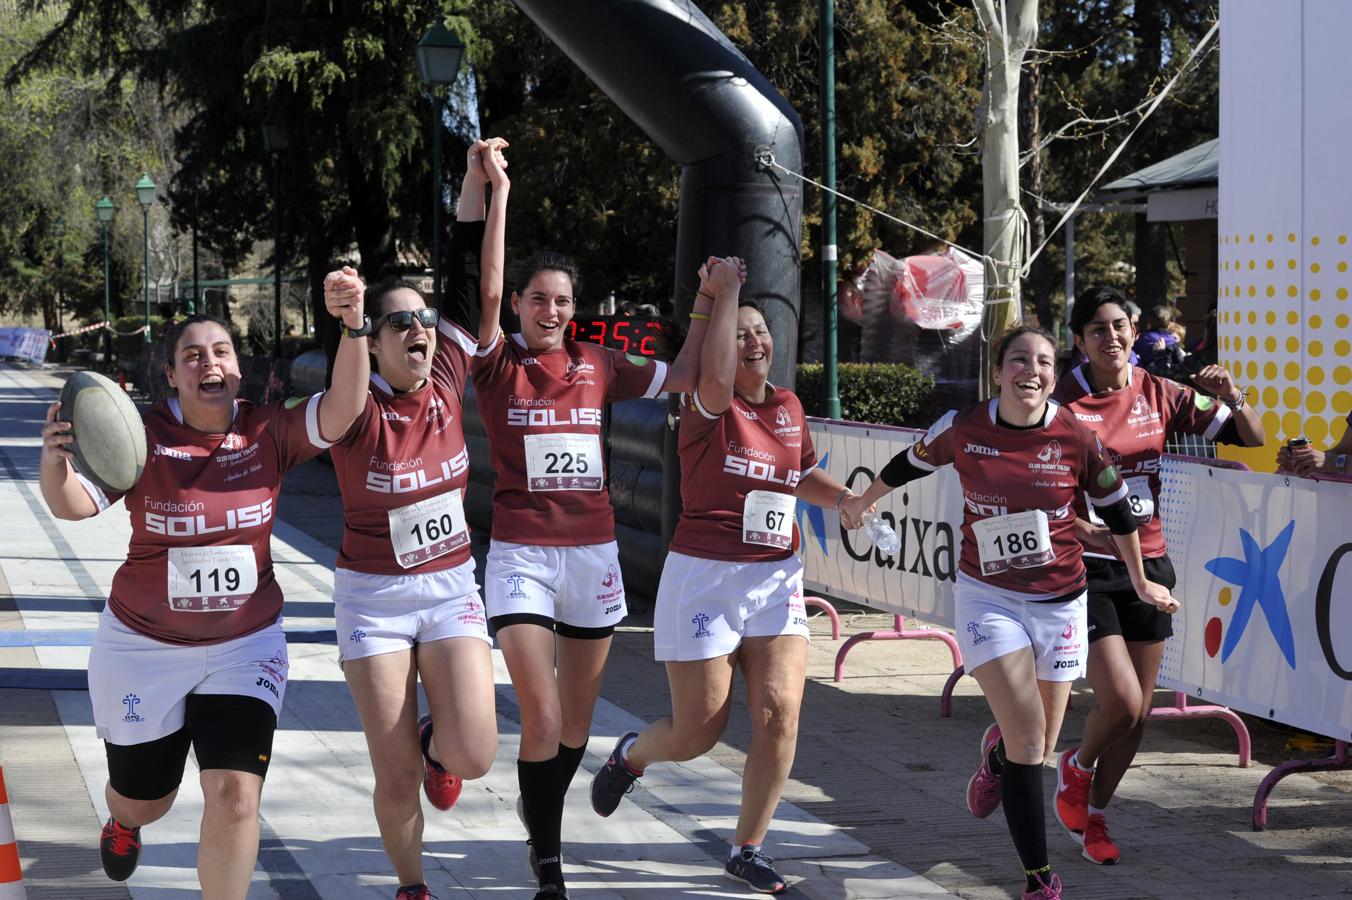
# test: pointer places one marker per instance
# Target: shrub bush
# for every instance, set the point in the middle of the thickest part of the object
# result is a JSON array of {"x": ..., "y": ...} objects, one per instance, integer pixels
[
  {"x": 877, "y": 393},
  {"x": 127, "y": 346}
]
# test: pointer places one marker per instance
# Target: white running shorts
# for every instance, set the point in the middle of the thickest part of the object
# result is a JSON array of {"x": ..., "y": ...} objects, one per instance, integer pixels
[
  {"x": 705, "y": 607},
  {"x": 991, "y": 623},
  {"x": 139, "y": 686},
  {"x": 375, "y": 614},
  {"x": 579, "y": 586}
]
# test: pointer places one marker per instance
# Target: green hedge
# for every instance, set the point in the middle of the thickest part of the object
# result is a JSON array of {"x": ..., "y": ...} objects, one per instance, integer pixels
[
  {"x": 128, "y": 346},
  {"x": 877, "y": 393}
]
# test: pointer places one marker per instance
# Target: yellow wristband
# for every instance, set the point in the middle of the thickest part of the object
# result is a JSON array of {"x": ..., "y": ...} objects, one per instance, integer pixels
[{"x": 704, "y": 316}]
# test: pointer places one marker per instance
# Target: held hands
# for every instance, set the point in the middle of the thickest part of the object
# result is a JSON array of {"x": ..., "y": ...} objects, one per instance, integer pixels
[
  {"x": 56, "y": 436},
  {"x": 1218, "y": 381},
  {"x": 1158, "y": 596},
  {"x": 722, "y": 277},
  {"x": 854, "y": 509},
  {"x": 488, "y": 156},
  {"x": 478, "y": 151},
  {"x": 343, "y": 293}
]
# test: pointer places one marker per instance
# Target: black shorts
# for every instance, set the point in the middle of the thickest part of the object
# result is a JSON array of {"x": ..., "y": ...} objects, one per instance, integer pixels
[
  {"x": 1114, "y": 607},
  {"x": 224, "y": 730}
]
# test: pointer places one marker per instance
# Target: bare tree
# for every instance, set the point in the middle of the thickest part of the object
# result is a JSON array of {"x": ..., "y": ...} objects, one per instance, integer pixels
[{"x": 1010, "y": 27}]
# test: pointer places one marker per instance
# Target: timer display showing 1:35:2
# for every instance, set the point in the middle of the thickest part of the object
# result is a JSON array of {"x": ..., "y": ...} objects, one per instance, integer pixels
[{"x": 628, "y": 334}]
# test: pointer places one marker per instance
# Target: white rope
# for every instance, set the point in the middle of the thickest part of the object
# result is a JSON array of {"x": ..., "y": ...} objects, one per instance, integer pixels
[
  {"x": 767, "y": 158},
  {"x": 1159, "y": 98}
]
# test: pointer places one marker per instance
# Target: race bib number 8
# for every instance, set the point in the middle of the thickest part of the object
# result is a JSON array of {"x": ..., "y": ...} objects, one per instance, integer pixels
[
  {"x": 428, "y": 529},
  {"x": 1139, "y": 496},
  {"x": 767, "y": 519},
  {"x": 211, "y": 579},
  {"x": 1016, "y": 541},
  {"x": 563, "y": 462}
]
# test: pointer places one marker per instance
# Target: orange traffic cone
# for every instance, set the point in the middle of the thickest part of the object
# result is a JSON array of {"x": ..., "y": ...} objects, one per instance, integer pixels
[{"x": 11, "y": 875}]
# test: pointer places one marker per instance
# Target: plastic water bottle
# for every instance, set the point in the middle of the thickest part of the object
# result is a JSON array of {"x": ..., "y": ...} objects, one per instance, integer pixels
[{"x": 881, "y": 534}]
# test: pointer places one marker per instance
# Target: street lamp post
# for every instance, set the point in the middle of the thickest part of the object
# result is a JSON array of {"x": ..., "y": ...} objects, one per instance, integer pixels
[
  {"x": 105, "y": 209},
  {"x": 275, "y": 141},
  {"x": 826, "y": 40},
  {"x": 145, "y": 195},
  {"x": 438, "y": 54}
]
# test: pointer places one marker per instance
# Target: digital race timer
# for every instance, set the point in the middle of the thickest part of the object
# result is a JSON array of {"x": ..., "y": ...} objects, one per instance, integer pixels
[{"x": 628, "y": 334}]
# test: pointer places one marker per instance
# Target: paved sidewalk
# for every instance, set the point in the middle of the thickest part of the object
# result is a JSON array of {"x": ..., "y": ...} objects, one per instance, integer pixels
[{"x": 878, "y": 782}]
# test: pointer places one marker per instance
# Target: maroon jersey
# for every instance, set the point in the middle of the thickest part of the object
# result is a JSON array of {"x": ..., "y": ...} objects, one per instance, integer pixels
[
  {"x": 1019, "y": 490},
  {"x": 403, "y": 469},
  {"x": 543, "y": 418},
  {"x": 1133, "y": 424},
  {"x": 199, "y": 566},
  {"x": 738, "y": 475}
]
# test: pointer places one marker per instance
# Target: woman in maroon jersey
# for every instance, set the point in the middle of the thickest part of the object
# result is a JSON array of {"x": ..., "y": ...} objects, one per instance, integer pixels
[
  {"x": 552, "y": 580},
  {"x": 1134, "y": 414},
  {"x": 731, "y": 595},
  {"x": 406, "y": 603},
  {"x": 1023, "y": 463},
  {"x": 190, "y": 650}
]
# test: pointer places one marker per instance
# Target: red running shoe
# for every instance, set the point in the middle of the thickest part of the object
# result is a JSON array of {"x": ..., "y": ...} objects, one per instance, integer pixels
[
  {"x": 983, "y": 789},
  {"x": 441, "y": 787},
  {"x": 1072, "y": 794},
  {"x": 415, "y": 892},
  {"x": 1099, "y": 849},
  {"x": 119, "y": 849}
]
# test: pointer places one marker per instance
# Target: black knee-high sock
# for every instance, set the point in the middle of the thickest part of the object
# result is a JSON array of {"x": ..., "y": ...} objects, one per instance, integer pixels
[
  {"x": 569, "y": 759},
  {"x": 542, "y": 802},
  {"x": 1021, "y": 796}
]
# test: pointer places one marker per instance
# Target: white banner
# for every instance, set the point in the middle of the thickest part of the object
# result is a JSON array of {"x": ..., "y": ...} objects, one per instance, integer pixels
[
  {"x": 927, "y": 515},
  {"x": 25, "y": 343},
  {"x": 1265, "y": 575}
]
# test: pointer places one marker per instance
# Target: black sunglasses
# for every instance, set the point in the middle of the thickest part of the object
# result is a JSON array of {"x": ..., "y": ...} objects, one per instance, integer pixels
[{"x": 402, "y": 320}]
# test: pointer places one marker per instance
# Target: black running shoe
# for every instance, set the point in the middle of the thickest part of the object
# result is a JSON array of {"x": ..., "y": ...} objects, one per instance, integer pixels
[
  {"x": 120, "y": 849},
  {"x": 551, "y": 892},
  {"x": 753, "y": 867},
  {"x": 614, "y": 780}
]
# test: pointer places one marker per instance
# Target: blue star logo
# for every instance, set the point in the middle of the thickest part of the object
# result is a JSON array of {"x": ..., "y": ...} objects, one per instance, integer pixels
[
  {"x": 1256, "y": 577},
  {"x": 815, "y": 515}
]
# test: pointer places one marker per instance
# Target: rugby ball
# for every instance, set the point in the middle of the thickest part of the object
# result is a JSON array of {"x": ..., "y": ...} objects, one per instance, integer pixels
[{"x": 110, "y": 439}]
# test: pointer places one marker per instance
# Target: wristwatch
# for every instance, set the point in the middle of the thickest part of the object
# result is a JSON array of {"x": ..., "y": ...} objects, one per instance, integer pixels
[
  {"x": 363, "y": 331},
  {"x": 1238, "y": 404},
  {"x": 1340, "y": 463}
]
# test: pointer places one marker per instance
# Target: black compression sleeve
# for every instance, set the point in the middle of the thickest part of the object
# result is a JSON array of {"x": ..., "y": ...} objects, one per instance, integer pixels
[
  {"x": 1229, "y": 433},
  {"x": 1118, "y": 517},
  {"x": 901, "y": 470},
  {"x": 460, "y": 299}
]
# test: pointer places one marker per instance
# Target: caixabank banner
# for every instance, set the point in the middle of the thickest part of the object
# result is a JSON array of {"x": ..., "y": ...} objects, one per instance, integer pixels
[{"x": 1264, "y": 569}]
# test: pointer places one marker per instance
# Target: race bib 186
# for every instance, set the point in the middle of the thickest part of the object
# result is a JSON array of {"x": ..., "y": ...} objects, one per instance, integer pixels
[{"x": 1019, "y": 540}]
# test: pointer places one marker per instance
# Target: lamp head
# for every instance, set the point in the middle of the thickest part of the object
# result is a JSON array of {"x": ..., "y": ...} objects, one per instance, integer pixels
[
  {"x": 439, "y": 54},
  {"x": 145, "y": 191}
]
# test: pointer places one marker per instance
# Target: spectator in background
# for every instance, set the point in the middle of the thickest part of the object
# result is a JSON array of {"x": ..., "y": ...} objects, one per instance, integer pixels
[
  {"x": 1134, "y": 314},
  {"x": 1159, "y": 349},
  {"x": 1308, "y": 461}
]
